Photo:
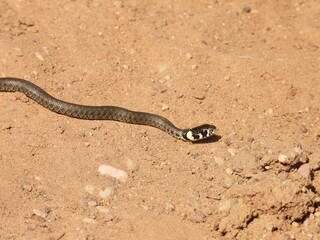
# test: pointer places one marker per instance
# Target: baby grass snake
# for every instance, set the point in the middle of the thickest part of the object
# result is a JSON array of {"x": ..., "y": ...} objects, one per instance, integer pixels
[{"x": 8, "y": 84}]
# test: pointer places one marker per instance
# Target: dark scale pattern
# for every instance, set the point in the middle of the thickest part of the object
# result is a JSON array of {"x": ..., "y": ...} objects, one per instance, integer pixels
[{"x": 99, "y": 112}]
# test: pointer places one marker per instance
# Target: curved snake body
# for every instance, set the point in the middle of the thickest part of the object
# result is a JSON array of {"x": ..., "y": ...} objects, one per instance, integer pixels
[{"x": 103, "y": 112}]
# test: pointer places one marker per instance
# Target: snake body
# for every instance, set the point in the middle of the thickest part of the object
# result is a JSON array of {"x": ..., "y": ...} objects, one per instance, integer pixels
[{"x": 40, "y": 96}]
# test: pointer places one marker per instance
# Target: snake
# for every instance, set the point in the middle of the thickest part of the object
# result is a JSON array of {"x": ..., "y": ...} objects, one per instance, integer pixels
[{"x": 34, "y": 92}]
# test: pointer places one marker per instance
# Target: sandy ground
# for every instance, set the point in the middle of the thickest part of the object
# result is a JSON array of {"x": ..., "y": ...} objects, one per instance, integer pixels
[{"x": 251, "y": 69}]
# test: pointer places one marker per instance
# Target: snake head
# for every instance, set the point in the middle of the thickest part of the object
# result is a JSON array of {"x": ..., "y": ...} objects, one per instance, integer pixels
[{"x": 199, "y": 133}]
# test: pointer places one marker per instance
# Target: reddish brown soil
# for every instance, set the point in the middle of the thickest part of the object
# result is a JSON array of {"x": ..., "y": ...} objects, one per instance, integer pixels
[{"x": 254, "y": 74}]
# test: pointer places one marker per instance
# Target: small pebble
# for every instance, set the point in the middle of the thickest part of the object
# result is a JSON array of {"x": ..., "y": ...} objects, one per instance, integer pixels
[
  {"x": 46, "y": 50},
  {"x": 246, "y": 9},
  {"x": 304, "y": 170},
  {"x": 219, "y": 160},
  {"x": 209, "y": 178},
  {"x": 228, "y": 141},
  {"x": 193, "y": 67},
  {"x": 207, "y": 84},
  {"x": 19, "y": 52},
  {"x": 88, "y": 220},
  {"x": 132, "y": 165},
  {"x": 297, "y": 150},
  {"x": 283, "y": 158},
  {"x": 92, "y": 203},
  {"x": 199, "y": 217},
  {"x": 227, "y": 78},
  {"x": 26, "y": 187},
  {"x": 125, "y": 67},
  {"x": 200, "y": 96},
  {"x": 228, "y": 182},
  {"x": 145, "y": 207},
  {"x": 189, "y": 56},
  {"x": 179, "y": 95},
  {"x": 231, "y": 151},
  {"x": 119, "y": 174},
  {"x": 170, "y": 207},
  {"x": 86, "y": 203},
  {"x": 167, "y": 77},
  {"x": 229, "y": 171},
  {"x": 106, "y": 193},
  {"x": 40, "y": 213},
  {"x": 39, "y": 56},
  {"x": 269, "y": 111},
  {"x": 164, "y": 107},
  {"x": 37, "y": 218}
]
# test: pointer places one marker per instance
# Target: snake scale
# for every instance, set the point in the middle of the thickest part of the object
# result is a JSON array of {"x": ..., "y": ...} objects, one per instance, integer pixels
[{"x": 37, "y": 94}]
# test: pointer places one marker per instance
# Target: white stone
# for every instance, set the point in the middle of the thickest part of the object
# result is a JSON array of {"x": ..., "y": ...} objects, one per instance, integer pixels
[
  {"x": 39, "y": 56},
  {"x": 39, "y": 213},
  {"x": 283, "y": 158},
  {"x": 170, "y": 207},
  {"x": 227, "y": 78},
  {"x": 167, "y": 77},
  {"x": 229, "y": 171},
  {"x": 106, "y": 193},
  {"x": 193, "y": 66},
  {"x": 132, "y": 165},
  {"x": 119, "y": 174},
  {"x": 231, "y": 151},
  {"x": 164, "y": 107}
]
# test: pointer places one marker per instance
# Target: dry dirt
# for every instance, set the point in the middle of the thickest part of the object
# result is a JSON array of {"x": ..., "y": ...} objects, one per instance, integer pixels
[{"x": 251, "y": 68}]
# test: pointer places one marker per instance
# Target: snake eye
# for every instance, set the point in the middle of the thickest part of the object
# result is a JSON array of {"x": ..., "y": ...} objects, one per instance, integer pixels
[{"x": 204, "y": 133}]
